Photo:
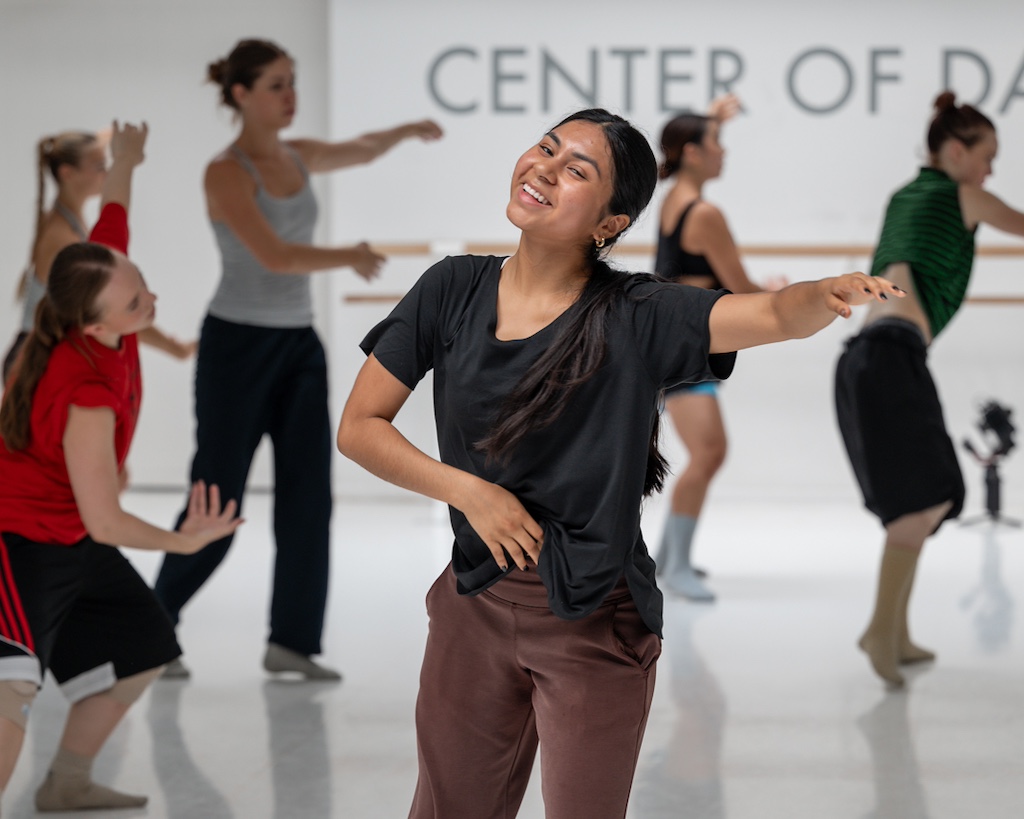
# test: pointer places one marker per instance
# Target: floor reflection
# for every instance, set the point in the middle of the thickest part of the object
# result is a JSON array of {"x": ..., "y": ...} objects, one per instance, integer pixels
[
  {"x": 896, "y": 773},
  {"x": 684, "y": 778},
  {"x": 990, "y": 600},
  {"x": 188, "y": 793},
  {"x": 764, "y": 708},
  {"x": 301, "y": 769}
]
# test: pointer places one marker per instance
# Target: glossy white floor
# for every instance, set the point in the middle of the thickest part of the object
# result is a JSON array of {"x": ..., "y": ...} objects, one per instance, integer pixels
[{"x": 764, "y": 708}]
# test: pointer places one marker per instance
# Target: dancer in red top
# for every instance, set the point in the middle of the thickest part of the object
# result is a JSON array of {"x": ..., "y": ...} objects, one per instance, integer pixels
[
  {"x": 76, "y": 162},
  {"x": 69, "y": 602}
]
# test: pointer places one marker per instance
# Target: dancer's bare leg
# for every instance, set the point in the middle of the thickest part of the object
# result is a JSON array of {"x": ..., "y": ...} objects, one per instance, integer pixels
[
  {"x": 16, "y": 697},
  {"x": 698, "y": 421},
  {"x": 904, "y": 538},
  {"x": 11, "y": 739}
]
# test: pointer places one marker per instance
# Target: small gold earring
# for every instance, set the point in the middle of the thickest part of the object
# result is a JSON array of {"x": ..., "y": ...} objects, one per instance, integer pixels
[{"x": 599, "y": 242}]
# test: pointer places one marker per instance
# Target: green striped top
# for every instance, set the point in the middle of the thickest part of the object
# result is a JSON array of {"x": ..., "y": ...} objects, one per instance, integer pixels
[{"x": 925, "y": 228}]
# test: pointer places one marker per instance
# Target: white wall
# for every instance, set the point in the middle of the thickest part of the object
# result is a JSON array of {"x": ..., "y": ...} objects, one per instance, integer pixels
[{"x": 792, "y": 176}]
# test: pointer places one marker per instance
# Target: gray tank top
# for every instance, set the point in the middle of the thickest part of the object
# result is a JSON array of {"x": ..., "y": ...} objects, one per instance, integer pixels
[
  {"x": 248, "y": 293},
  {"x": 35, "y": 289}
]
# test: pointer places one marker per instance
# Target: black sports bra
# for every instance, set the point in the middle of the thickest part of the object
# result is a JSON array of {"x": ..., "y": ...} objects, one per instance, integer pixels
[{"x": 675, "y": 263}]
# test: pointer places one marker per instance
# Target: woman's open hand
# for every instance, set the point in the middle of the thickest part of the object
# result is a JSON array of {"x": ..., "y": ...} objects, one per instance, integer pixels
[
  {"x": 128, "y": 142},
  {"x": 205, "y": 521},
  {"x": 426, "y": 129},
  {"x": 843, "y": 292},
  {"x": 725, "y": 107},
  {"x": 368, "y": 262}
]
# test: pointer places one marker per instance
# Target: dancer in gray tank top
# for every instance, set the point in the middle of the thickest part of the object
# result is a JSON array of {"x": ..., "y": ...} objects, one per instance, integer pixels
[
  {"x": 34, "y": 287},
  {"x": 76, "y": 161},
  {"x": 261, "y": 368},
  {"x": 248, "y": 292}
]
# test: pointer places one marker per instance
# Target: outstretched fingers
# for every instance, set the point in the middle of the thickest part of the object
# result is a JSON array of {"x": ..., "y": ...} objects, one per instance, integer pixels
[
  {"x": 206, "y": 515},
  {"x": 853, "y": 289}
]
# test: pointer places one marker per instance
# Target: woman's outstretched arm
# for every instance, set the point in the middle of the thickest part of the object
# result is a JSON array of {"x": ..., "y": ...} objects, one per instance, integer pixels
[
  {"x": 321, "y": 156},
  {"x": 797, "y": 311},
  {"x": 96, "y": 484}
]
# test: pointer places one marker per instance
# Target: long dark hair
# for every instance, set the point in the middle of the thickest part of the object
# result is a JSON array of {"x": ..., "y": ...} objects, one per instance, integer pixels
[
  {"x": 79, "y": 272},
  {"x": 579, "y": 348}
]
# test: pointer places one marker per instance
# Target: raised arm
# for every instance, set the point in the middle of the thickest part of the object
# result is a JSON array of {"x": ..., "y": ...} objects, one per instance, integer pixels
[
  {"x": 127, "y": 150},
  {"x": 231, "y": 199},
  {"x": 797, "y": 311},
  {"x": 95, "y": 483},
  {"x": 978, "y": 205},
  {"x": 331, "y": 156},
  {"x": 367, "y": 436}
]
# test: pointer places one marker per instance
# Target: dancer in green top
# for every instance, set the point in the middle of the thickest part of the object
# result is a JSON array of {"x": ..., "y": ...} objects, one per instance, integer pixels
[{"x": 888, "y": 409}]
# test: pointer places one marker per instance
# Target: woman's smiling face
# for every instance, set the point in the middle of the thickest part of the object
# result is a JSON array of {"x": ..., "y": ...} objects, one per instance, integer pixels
[{"x": 561, "y": 186}]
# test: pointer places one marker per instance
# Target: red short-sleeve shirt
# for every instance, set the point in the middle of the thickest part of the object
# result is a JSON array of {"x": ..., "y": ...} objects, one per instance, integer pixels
[{"x": 36, "y": 500}]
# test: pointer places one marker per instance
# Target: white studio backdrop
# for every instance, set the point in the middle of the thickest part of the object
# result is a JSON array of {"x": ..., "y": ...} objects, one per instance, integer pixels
[{"x": 837, "y": 98}]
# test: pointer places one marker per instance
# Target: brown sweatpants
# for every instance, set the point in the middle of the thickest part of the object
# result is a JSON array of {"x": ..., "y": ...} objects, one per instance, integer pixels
[{"x": 501, "y": 674}]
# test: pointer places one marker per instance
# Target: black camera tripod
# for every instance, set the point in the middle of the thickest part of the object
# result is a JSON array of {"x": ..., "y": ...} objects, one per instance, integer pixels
[{"x": 996, "y": 420}]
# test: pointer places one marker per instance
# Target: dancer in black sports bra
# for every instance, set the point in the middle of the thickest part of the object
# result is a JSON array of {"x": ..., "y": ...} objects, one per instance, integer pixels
[
  {"x": 676, "y": 263},
  {"x": 695, "y": 247}
]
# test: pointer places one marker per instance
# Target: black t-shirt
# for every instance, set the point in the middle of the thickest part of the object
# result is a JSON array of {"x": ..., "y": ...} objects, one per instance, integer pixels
[{"x": 581, "y": 477}]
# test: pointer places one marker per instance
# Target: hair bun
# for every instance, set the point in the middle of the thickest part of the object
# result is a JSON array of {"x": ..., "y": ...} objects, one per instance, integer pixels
[
  {"x": 947, "y": 99},
  {"x": 216, "y": 71}
]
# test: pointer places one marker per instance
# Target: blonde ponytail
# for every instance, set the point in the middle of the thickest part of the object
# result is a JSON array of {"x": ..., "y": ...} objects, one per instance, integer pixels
[{"x": 67, "y": 148}]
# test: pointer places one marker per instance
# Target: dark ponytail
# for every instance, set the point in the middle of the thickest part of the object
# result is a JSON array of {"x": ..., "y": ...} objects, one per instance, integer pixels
[
  {"x": 577, "y": 352},
  {"x": 680, "y": 131},
  {"x": 79, "y": 272}
]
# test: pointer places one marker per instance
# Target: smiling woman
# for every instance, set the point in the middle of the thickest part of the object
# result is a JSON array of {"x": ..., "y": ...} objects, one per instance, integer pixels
[{"x": 545, "y": 629}]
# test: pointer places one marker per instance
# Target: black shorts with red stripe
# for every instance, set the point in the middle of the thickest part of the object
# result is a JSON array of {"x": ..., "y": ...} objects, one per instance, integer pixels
[{"x": 81, "y": 611}]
